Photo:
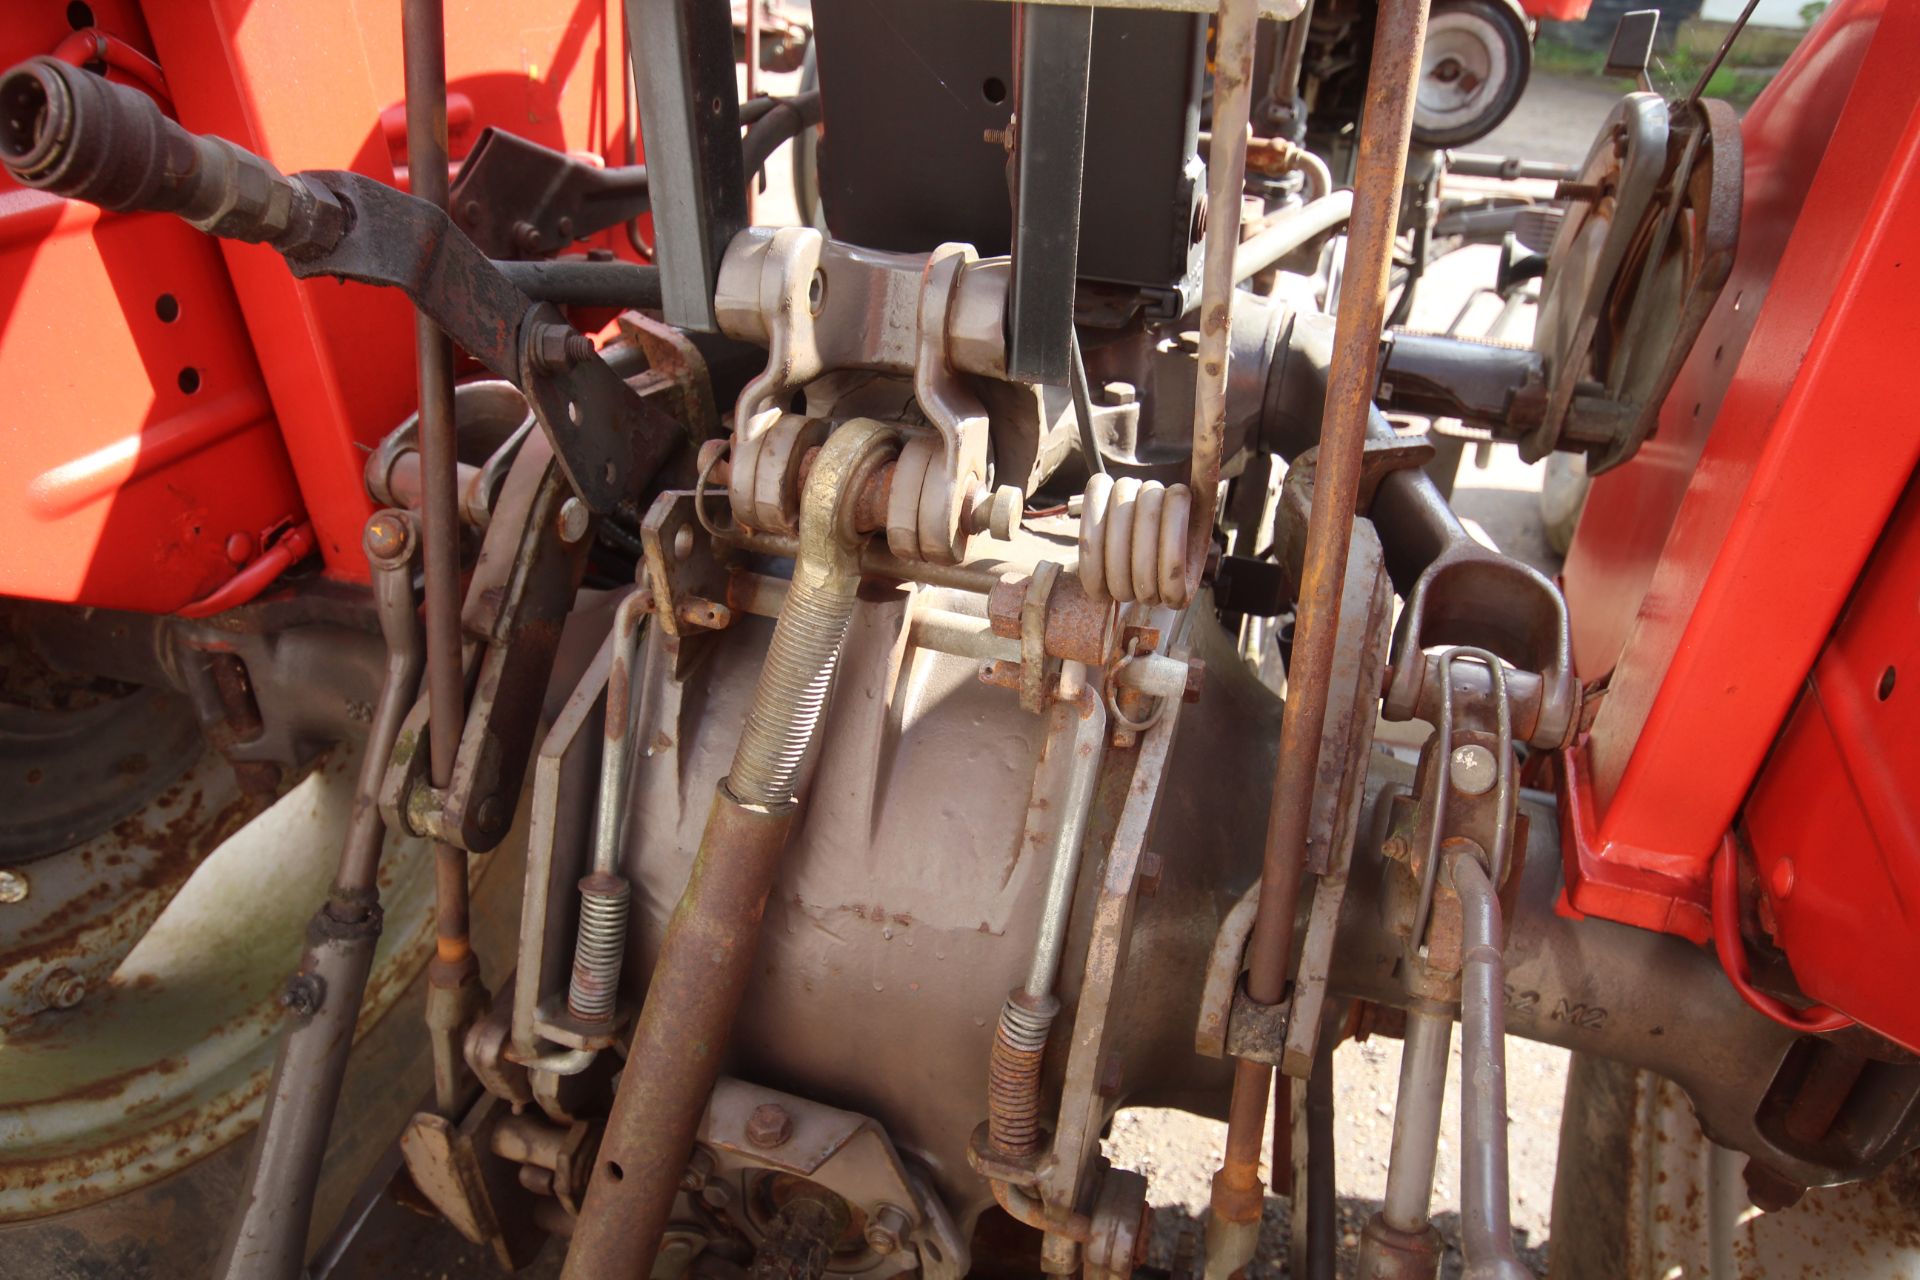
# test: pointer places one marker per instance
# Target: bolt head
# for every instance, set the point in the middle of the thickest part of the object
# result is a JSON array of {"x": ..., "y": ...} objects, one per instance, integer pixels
[
  {"x": 492, "y": 815},
  {"x": 1117, "y": 393},
  {"x": 303, "y": 995},
  {"x": 574, "y": 520},
  {"x": 387, "y": 537},
  {"x": 1472, "y": 769},
  {"x": 1782, "y": 879},
  {"x": 886, "y": 1229},
  {"x": 63, "y": 989},
  {"x": 769, "y": 1126},
  {"x": 14, "y": 886}
]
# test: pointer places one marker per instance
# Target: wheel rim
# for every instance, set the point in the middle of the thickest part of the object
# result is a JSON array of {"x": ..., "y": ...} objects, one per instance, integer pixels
[{"x": 1464, "y": 73}]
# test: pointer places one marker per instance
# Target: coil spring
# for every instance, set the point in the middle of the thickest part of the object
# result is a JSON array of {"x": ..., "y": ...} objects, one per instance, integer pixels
[
  {"x": 1013, "y": 1076},
  {"x": 1133, "y": 540},
  {"x": 600, "y": 948},
  {"x": 792, "y": 691}
]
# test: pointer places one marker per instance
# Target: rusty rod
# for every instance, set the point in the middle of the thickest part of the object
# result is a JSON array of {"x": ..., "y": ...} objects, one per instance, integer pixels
[
  {"x": 1236, "y": 30},
  {"x": 1392, "y": 81},
  {"x": 453, "y": 976}
]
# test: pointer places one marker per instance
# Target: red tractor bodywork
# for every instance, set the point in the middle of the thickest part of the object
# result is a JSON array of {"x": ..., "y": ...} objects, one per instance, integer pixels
[
  {"x": 218, "y": 403},
  {"x": 1741, "y": 576}
]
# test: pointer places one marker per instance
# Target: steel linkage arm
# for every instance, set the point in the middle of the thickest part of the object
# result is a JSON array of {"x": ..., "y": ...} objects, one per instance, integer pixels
[{"x": 323, "y": 997}]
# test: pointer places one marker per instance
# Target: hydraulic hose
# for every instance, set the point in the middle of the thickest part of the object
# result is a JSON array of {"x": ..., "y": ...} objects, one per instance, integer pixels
[
  {"x": 706, "y": 957},
  {"x": 80, "y": 135}
]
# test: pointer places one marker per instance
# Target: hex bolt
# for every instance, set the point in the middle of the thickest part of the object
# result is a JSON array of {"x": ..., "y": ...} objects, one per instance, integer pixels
[
  {"x": 14, "y": 886},
  {"x": 1472, "y": 769},
  {"x": 887, "y": 1228},
  {"x": 1118, "y": 393},
  {"x": 553, "y": 348},
  {"x": 769, "y": 1126},
  {"x": 63, "y": 989},
  {"x": 717, "y": 1194},
  {"x": 574, "y": 518}
]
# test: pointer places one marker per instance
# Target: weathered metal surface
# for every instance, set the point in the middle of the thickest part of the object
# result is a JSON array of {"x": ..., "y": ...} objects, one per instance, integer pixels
[
  {"x": 843, "y": 1152},
  {"x": 168, "y": 1059},
  {"x": 82, "y": 910},
  {"x": 1129, "y": 797}
]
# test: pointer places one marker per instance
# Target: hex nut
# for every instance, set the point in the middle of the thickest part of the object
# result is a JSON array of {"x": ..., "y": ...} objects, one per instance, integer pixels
[
  {"x": 769, "y": 1126},
  {"x": 552, "y": 348},
  {"x": 887, "y": 1229}
]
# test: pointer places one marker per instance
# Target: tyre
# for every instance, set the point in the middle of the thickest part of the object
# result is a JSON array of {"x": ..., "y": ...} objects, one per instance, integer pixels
[{"x": 1472, "y": 72}]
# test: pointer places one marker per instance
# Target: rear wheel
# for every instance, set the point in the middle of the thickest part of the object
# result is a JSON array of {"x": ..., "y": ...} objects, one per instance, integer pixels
[
  {"x": 1472, "y": 71},
  {"x": 1640, "y": 1193}
]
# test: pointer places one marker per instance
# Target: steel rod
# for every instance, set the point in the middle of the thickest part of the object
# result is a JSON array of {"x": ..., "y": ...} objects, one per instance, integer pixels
[
  {"x": 1235, "y": 36},
  {"x": 1486, "y": 1222},
  {"x": 454, "y": 970},
  {"x": 1085, "y": 742},
  {"x": 1379, "y": 174},
  {"x": 1416, "y": 1121},
  {"x": 269, "y": 1234}
]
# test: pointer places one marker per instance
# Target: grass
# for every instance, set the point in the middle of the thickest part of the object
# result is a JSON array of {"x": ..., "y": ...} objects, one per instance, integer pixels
[{"x": 1739, "y": 80}]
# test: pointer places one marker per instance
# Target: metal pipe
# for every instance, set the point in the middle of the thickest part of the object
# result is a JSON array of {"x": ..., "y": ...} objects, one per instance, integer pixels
[
  {"x": 706, "y": 958},
  {"x": 1416, "y": 1121},
  {"x": 1288, "y": 232},
  {"x": 1076, "y": 739},
  {"x": 454, "y": 969},
  {"x": 1380, "y": 171},
  {"x": 1088, "y": 735},
  {"x": 965, "y": 636},
  {"x": 1235, "y": 32},
  {"x": 980, "y": 576},
  {"x": 1486, "y": 1226},
  {"x": 269, "y": 1236},
  {"x": 600, "y": 945}
]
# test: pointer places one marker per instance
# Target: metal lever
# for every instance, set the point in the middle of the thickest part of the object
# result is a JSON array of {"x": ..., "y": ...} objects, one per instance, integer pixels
[{"x": 270, "y": 1234}]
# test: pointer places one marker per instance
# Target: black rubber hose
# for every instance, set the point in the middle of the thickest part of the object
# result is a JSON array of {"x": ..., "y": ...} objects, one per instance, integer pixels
[{"x": 586, "y": 284}]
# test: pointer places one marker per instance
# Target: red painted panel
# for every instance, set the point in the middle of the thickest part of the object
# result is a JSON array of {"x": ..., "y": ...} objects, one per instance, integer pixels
[
  {"x": 306, "y": 85},
  {"x": 1792, "y": 487},
  {"x": 1834, "y": 821},
  {"x": 138, "y": 438}
]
